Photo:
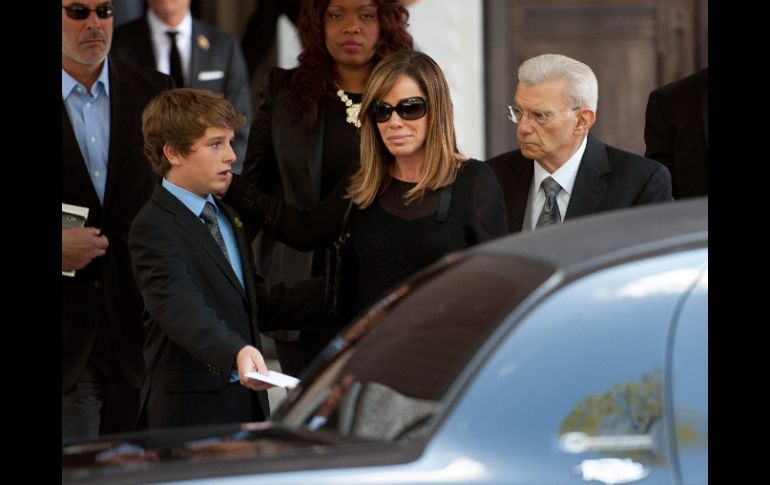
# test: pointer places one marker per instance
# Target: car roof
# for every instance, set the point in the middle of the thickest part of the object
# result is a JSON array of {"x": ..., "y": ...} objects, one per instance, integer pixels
[{"x": 615, "y": 236}]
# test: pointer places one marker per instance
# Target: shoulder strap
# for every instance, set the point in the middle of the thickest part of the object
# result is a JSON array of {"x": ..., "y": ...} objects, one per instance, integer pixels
[
  {"x": 443, "y": 205},
  {"x": 446, "y": 198},
  {"x": 346, "y": 226}
]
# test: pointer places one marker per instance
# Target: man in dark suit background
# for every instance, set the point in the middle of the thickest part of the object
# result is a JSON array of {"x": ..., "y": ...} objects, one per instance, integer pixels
[
  {"x": 560, "y": 171},
  {"x": 208, "y": 57},
  {"x": 676, "y": 132},
  {"x": 104, "y": 170},
  {"x": 194, "y": 267}
]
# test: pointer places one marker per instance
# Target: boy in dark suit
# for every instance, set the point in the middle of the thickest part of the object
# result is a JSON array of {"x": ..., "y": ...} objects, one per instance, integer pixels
[{"x": 193, "y": 265}]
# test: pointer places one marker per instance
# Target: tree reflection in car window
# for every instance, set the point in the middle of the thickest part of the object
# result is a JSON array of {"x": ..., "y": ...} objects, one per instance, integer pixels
[{"x": 625, "y": 421}]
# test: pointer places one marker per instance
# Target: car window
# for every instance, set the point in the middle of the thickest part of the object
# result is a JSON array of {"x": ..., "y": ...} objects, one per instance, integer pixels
[
  {"x": 401, "y": 363},
  {"x": 689, "y": 385}
]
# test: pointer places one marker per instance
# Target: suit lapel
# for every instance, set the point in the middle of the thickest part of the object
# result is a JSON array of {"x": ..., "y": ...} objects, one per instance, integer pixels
[
  {"x": 589, "y": 188},
  {"x": 118, "y": 97},
  {"x": 194, "y": 227},
  {"x": 196, "y": 54},
  {"x": 301, "y": 150},
  {"x": 517, "y": 175},
  {"x": 242, "y": 242},
  {"x": 145, "y": 54},
  {"x": 315, "y": 160}
]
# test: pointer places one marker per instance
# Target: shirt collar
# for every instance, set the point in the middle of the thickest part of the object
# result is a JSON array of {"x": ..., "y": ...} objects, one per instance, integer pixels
[
  {"x": 69, "y": 83},
  {"x": 159, "y": 28},
  {"x": 564, "y": 175},
  {"x": 192, "y": 201}
]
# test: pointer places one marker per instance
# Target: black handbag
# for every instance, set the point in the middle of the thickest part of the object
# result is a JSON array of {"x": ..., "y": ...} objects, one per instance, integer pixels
[{"x": 341, "y": 272}]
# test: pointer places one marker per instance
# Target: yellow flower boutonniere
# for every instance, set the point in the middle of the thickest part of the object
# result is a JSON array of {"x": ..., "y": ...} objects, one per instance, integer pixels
[
  {"x": 238, "y": 223},
  {"x": 203, "y": 42}
]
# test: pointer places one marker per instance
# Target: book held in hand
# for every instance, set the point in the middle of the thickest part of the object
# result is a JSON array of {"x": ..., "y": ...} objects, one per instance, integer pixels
[{"x": 72, "y": 216}]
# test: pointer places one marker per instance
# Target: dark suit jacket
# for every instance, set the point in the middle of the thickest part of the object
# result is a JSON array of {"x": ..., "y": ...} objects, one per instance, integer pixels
[
  {"x": 106, "y": 286},
  {"x": 198, "y": 316},
  {"x": 220, "y": 53},
  {"x": 608, "y": 178},
  {"x": 676, "y": 132},
  {"x": 284, "y": 158}
]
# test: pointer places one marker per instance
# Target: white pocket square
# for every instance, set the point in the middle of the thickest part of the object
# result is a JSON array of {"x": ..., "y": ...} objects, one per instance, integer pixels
[{"x": 210, "y": 75}]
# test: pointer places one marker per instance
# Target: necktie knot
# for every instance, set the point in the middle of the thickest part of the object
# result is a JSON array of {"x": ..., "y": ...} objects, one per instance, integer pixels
[
  {"x": 209, "y": 213},
  {"x": 550, "y": 187}
]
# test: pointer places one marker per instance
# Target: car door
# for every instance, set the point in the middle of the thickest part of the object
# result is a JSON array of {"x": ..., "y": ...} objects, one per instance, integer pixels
[{"x": 572, "y": 388}]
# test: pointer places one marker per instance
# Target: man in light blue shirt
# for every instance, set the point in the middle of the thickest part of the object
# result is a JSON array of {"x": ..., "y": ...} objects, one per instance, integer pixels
[{"x": 105, "y": 172}]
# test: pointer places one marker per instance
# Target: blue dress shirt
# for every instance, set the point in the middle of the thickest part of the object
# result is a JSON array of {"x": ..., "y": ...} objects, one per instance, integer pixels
[{"x": 89, "y": 114}]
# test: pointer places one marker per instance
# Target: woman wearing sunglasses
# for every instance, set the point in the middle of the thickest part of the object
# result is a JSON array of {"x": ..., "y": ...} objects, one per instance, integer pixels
[
  {"x": 305, "y": 131},
  {"x": 415, "y": 196},
  {"x": 305, "y": 134}
]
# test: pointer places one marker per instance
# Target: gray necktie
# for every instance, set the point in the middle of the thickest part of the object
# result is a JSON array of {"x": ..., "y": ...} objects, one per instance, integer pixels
[
  {"x": 550, "y": 213},
  {"x": 209, "y": 216},
  {"x": 175, "y": 61}
]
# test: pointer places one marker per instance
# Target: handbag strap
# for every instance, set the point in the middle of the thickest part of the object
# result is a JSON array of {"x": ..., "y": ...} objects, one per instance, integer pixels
[
  {"x": 345, "y": 231},
  {"x": 446, "y": 198},
  {"x": 443, "y": 205}
]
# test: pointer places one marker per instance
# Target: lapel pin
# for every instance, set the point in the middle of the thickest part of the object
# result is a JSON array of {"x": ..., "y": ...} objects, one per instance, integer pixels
[{"x": 203, "y": 42}]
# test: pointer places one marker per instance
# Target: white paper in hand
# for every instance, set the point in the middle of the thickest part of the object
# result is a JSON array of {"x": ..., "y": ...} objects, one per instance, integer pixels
[{"x": 275, "y": 378}]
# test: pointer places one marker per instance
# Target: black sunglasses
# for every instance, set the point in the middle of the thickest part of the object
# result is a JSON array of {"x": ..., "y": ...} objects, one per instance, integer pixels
[
  {"x": 408, "y": 109},
  {"x": 78, "y": 11}
]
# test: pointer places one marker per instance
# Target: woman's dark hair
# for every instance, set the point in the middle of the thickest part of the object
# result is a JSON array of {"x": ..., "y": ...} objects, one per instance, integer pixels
[{"x": 314, "y": 77}]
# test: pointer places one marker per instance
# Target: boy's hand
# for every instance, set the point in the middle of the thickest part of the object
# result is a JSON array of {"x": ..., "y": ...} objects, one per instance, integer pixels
[{"x": 249, "y": 359}]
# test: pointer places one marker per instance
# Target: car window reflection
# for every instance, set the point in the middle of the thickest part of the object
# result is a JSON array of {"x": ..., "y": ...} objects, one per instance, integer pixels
[
  {"x": 622, "y": 421},
  {"x": 399, "y": 361}
]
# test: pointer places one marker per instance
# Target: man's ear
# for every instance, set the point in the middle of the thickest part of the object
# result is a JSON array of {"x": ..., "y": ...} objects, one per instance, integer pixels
[
  {"x": 585, "y": 119},
  {"x": 172, "y": 154}
]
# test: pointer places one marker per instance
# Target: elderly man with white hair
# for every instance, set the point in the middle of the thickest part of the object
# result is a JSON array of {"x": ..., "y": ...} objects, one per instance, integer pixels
[{"x": 560, "y": 171}]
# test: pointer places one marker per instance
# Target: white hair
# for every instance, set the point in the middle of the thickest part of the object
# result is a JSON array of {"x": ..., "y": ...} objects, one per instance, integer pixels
[{"x": 583, "y": 87}]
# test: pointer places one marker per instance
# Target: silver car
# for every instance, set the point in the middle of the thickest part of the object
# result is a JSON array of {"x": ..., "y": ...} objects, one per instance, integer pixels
[{"x": 571, "y": 354}]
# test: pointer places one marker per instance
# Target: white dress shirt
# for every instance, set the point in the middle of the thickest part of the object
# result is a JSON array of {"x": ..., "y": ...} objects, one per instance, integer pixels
[
  {"x": 161, "y": 44},
  {"x": 565, "y": 176}
]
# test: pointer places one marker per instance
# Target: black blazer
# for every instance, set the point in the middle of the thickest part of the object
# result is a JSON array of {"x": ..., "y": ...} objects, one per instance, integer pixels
[
  {"x": 198, "y": 316},
  {"x": 216, "y": 64},
  {"x": 676, "y": 133},
  {"x": 284, "y": 158},
  {"x": 107, "y": 284},
  {"x": 608, "y": 178}
]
